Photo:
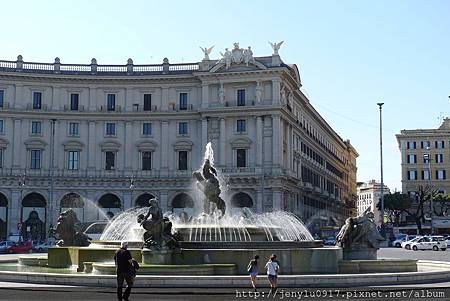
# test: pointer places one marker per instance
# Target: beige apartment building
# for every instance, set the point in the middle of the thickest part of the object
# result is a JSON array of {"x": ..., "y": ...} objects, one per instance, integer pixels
[
  {"x": 425, "y": 157},
  {"x": 87, "y": 135}
]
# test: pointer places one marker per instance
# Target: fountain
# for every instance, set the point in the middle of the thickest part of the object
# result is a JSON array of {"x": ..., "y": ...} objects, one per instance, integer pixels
[{"x": 215, "y": 242}]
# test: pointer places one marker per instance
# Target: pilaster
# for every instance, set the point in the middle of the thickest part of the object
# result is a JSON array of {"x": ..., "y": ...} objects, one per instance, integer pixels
[
  {"x": 222, "y": 144},
  {"x": 205, "y": 95}
]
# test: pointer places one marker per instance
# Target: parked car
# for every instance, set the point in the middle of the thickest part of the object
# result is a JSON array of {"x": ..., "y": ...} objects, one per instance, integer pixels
[
  {"x": 4, "y": 245},
  {"x": 401, "y": 238},
  {"x": 95, "y": 230},
  {"x": 430, "y": 243},
  {"x": 42, "y": 247},
  {"x": 20, "y": 247},
  {"x": 329, "y": 241},
  {"x": 407, "y": 244}
]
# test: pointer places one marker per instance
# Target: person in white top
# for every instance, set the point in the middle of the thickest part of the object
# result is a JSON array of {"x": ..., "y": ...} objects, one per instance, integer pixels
[{"x": 272, "y": 269}]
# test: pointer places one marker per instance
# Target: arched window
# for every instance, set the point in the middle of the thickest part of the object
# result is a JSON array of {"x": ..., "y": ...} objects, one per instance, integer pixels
[
  {"x": 142, "y": 200},
  {"x": 34, "y": 217},
  {"x": 241, "y": 200},
  {"x": 182, "y": 200},
  {"x": 72, "y": 200},
  {"x": 75, "y": 202},
  {"x": 34, "y": 200},
  {"x": 3, "y": 216},
  {"x": 111, "y": 205}
]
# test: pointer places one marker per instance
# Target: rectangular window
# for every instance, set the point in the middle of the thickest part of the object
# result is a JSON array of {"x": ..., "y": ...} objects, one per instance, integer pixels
[
  {"x": 425, "y": 144},
  {"x": 241, "y": 97},
  {"x": 35, "y": 159},
  {"x": 73, "y": 158},
  {"x": 182, "y": 160},
  {"x": 183, "y": 128},
  {"x": 2, "y": 98},
  {"x": 412, "y": 159},
  {"x": 74, "y": 97},
  {"x": 147, "y": 102},
  {"x": 37, "y": 100},
  {"x": 1, "y": 126},
  {"x": 241, "y": 157},
  {"x": 36, "y": 127},
  {"x": 426, "y": 175},
  {"x": 183, "y": 101},
  {"x": 146, "y": 129},
  {"x": 111, "y": 102},
  {"x": 240, "y": 126},
  {"x": 440, "y": 174},
  {"x": 439, "y": 158},
  {"x": 412, "y": 175},
  {"x": 146, "y": 160},
  {"x": 426, "y": 158},
  {"x": 439, "y": 144},
  {"x": 73, "y": 129},
  {"x": 110, "y": 129},
  {"x": 1, "y": 157},
  {"x": 110, "y": 160}
]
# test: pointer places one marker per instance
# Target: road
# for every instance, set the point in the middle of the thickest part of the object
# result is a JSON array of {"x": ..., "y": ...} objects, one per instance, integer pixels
[{"x": 409, "y": 254}]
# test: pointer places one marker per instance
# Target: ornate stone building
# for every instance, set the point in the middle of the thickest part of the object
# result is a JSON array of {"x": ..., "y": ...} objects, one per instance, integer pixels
[{"x": 112, "y": 135}]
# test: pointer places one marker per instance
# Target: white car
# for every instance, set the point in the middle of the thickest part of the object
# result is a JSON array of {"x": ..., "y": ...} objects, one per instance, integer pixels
[
  {"x": 95, "y": 230},
  {"x": 407, "y": 244},
  {"x": 398, "y": 242},
  {"x": 430, "y": 243}
]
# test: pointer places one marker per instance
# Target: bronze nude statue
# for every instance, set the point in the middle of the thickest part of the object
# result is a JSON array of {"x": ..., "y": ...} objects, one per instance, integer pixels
[
  {"x": 67, "y": 230},
  {"x": 208, "y": 183},
  {"x": 158, "y": 234}
]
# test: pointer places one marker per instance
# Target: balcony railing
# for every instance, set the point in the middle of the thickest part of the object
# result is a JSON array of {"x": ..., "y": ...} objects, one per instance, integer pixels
[
  {"x": 239, "y": 170},
  {"x": 95, "y": 69}
]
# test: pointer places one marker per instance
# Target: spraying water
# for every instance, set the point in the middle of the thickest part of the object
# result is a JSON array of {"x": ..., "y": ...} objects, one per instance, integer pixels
[{"x": 213, "y": 225}]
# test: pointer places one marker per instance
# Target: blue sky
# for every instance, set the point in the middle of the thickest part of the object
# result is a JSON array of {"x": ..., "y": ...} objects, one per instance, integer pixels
[{"x": 351, "y": 54}]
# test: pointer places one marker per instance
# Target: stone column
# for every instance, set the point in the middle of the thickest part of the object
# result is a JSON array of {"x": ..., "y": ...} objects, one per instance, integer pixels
[
  {"x": 91, "y": 146},
  {"x": 204, "y": 134},
  {"x": 14, "y": 211},
  {"x": 276, "y": 87},
  {"x": 277, "y": 200},
  {"x": 127, "y": 200},
  {"x": 18, "y": 146},
  {"x": 205, "y": 95},
  {"x": 58, "y": 160},
  {"x": 277, "y": 140},
  {"x": 128, "y": 147},
  {"x": 164, "y": 99},
  {"x": 259, "y": 202},
  {"x": 289, "y": 146},
  {"x": 222, "y": 143},
  {"x": 57, "y": 102},
  {"x": 163, "y": 201},
  {"x": 129, "y": 100},
  {"x": 92, "y": 98},
  {"x": 164, "y": 148},
  {"x": 18, "y": 99},
  {"x": 259, "y": 141}
]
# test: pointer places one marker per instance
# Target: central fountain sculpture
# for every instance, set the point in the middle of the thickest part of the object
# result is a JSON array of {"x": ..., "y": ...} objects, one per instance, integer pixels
[{"x": 208, "y": 183}]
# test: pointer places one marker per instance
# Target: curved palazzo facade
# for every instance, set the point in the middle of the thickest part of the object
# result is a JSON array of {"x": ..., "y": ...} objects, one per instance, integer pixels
[{"x": 112, "y": 135}]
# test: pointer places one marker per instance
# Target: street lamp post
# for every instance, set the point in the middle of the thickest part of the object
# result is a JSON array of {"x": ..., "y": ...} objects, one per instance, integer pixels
[
  {"x": 428, "y": 155},
  {"x": 380, "y": 105}
]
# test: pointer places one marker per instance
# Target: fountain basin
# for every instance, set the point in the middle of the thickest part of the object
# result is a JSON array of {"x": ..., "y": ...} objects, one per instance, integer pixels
[
  {"x": 173, "y": 269},
  {"x": 377, "y": 266}
]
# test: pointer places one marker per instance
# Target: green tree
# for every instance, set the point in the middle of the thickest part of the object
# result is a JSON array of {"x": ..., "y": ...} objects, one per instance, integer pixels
[
  {"x": 441, "y": 204},
  {"x": 397, "y": 203}
]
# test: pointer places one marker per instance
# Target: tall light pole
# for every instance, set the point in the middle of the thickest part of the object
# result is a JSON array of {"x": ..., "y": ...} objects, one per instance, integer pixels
[
  {"x": 380, "y": 105},
  {"x": 428, "y": 156}
]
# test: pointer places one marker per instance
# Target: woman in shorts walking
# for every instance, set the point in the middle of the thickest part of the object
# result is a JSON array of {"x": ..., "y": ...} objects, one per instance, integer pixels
[
  {"x": 272, "y": 269},
  {"x": 252, "y": 269}
]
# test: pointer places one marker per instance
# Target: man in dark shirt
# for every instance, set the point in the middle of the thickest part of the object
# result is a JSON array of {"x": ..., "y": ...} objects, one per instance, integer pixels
[{"x": 123, "y": 262}]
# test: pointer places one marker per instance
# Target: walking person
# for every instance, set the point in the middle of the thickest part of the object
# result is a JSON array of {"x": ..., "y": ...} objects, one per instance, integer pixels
[
  {"x": 252, "y": 268},
  {"x": 272, "y": 269},
  {"x": 124, "y": 271}
]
